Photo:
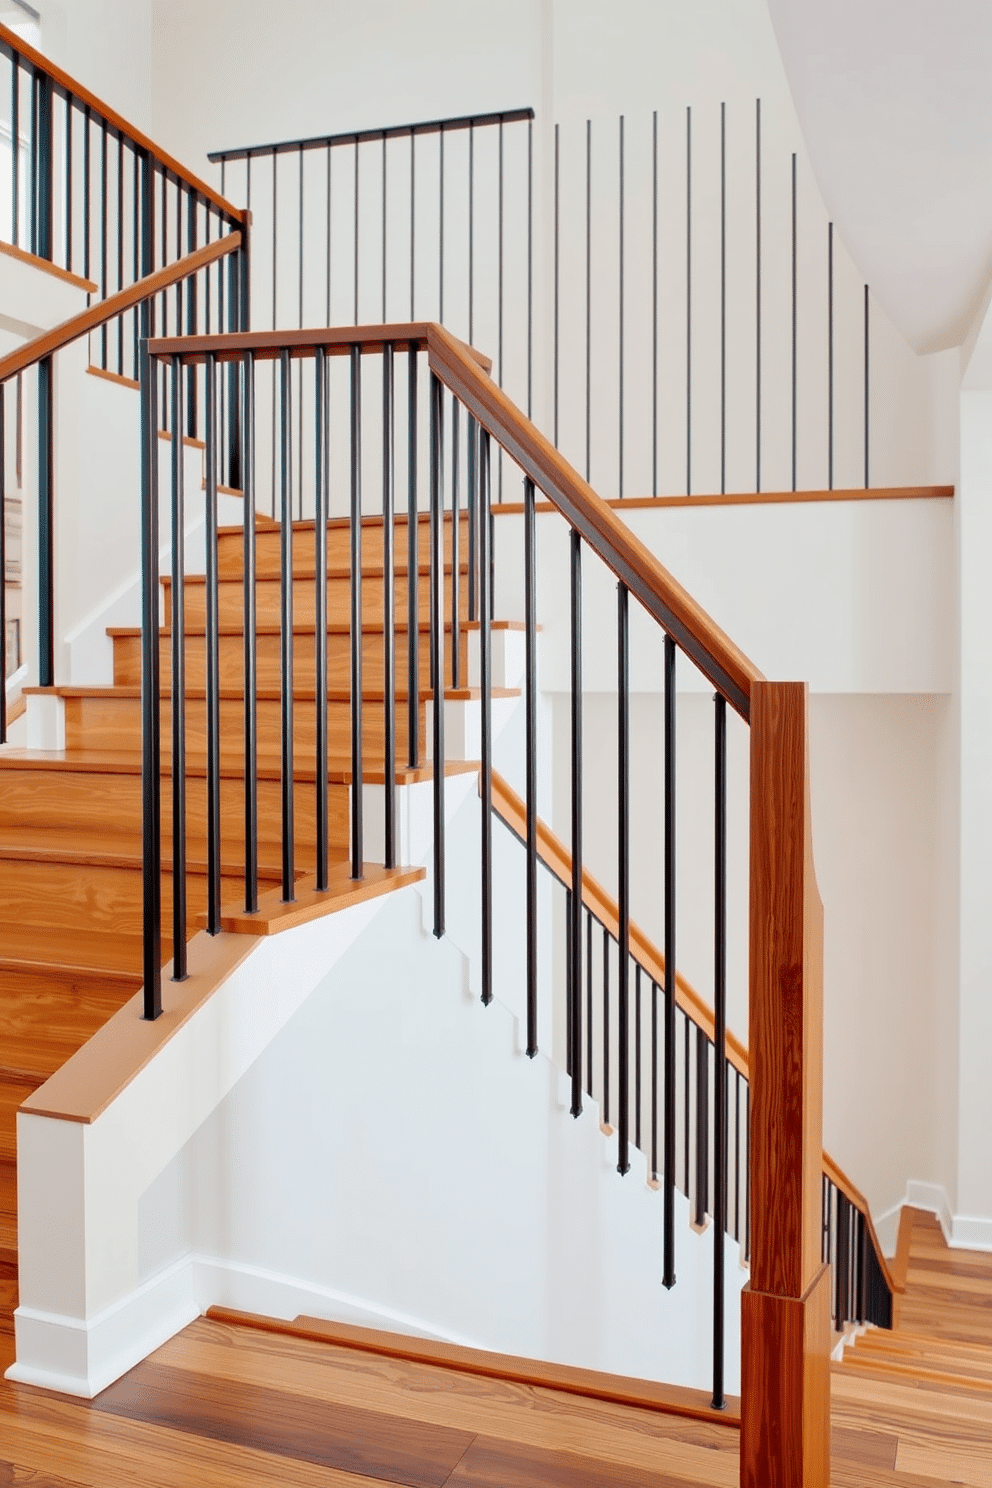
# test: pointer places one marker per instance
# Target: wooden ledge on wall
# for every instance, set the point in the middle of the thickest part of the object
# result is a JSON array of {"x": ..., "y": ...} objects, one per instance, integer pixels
[
  {"x": 754, "y": 498},
  {"x": 34, "y": 262},
  {"x": 116, "y": 377}
]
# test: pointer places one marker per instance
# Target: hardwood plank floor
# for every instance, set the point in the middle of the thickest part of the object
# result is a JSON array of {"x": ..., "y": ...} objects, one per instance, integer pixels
[{"x": 225, "y": 1403}]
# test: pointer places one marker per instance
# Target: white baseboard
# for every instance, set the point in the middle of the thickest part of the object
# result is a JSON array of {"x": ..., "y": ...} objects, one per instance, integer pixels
[
  {"x": 933, "y": 1197},
  {"x": 887, "y": 1228},
  {"x": 961, "y": 1231},
  {"x": 82, "y": 1358}
]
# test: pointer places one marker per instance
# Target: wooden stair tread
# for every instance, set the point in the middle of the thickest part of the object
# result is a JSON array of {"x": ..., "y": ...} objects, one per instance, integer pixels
[
  {"x": 128, "y": 762},
  {"x": 132, "y": 692},
  {"x": 90, "y": 849},
  {"x": 84, "y": 951},
  {"x": 334, "y": 627},
  {"x": 343, "y": 891},
  {"x": 336, "y": 569}
]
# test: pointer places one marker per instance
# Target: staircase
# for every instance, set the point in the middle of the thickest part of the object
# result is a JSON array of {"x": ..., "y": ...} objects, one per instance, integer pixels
[{"x": 70, "y": 820}]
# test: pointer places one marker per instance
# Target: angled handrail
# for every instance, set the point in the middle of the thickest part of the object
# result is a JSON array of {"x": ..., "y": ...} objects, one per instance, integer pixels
[
  {"x": 557, "y": 858},
  {"x": 60, "y": 336}
]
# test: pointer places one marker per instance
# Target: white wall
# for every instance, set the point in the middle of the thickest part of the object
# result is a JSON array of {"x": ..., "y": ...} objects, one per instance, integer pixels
[{"x": 107, "y": 45}]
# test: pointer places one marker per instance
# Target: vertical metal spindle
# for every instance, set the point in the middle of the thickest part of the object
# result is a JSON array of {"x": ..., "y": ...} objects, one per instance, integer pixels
[
  {"x": 191, "y": 320},
  {"x": 794, "y": 320},
  {"x": 499, "y": 256},
  {"x": 686, "y": 1086},
  {"x": 328, "y": 235},
  {"x": 557, "y": 264},
  {"x": 723, "y": 298},
  {"x": 250, "y": 638},
  {"x": 388, "y": 606},
  {"x": 576, "y": 896},
  {"x": 747, "y": 1174},
  {"x": 606, "y": 1027},
  {"x": 212, "y": 626},
  {"x": 178, "y": 688},
  {"x": 830, "y": 356},
  {"x": 456, "y": 519},
  {"x": 485, "y": 704},
  {"x": 637, "y": 1055},
  {"x": 623, "y": 873},
  {"x": 530, "y": 267},
  {"x": 413, "y": 213},
  {"x": 440, "y": 227},
  {"x": 702, "y": 1126},
  {"x": 384, "y": 237},
  {"x": 861, "y": 1269},
  {"x": 654, "y": 1081},
  {"x": 530, "y": 687},
  {"x": 737, "y": 1155},
  {"x": 357, "y": 838},
  {"x": 867, "y": 429},
  {"x": 15, "y": 150},
  {"x": 46, "y": 524},
  {"x": 589, "y": 1050},
  {"x": 620, "y": 320},
  {"x": 151, "y": 742},
  {"x": 412, "y": 572},
  {"x": 471, "y": 233},
  {"x": 688, "y": 301},
  {"x": 757, "y": 294},
  {"x": 286, "y": 622},
  {"x": 843, "y": 1259},
  {"x": 668, "y": 1278},
  {"x": 356, "y": 227},
  {"x": 654, "y": 304},
  {"x": 321, "y": 498},
  {"x": 719, "y": 1043},
  {"x": 68, "y": 180},
  {"x": 588, "y": 296},
  {"x": 471, "y": 501},
  {"x": 437, "y": 641},
  {"x": 103, "y": 237}
]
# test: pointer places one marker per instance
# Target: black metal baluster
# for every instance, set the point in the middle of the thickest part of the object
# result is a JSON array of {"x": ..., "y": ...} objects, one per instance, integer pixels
[
  {"x": 321, "y": 498},
  {"x": 412, "y": 573},
  {"x": 557, "y": 264},
  {"x": 472, "y": 504},
  {"x": 866, "y": 386},
  {"x": 103, "y": 238},
  {"x": 669, "y": 1217},
  {"x": 356, "y": 229},
  {"x": 843, "y": 1256},
  {"x": 213, "y": 655},
  {"x": 413, "y": 211},
  {"x": 33, "y": 153},
  {"x": 471, "y": 233},
  {"x": 15, "y": 150},
  {"x": 530, "y": 266},
  {"x": 328, "y": 229},
  {"x": 588, "y": 294},
  {"x": 737, "y": 1155},
  {"x": 723, "y": 299},
  {"x": 120, "y": 250},
  {"x": 250, "y": 637},
  {"x": 702, "y": 1126},
  {"x": 637, "y": 1055},
  {"x": 830, "y": 356},
  {"x": 286, "y": 623},
  {"x": 151, "y": 743},
  {"x": 757, "y": 294},
  {"x": 688, "y": 301},
  {"x": 192, "y": 207},
  {"x": 589, "y": 1040},
  {"x": 485, "y": 703},
  {"x": 654, "y": 309},
  {"x": 623, "y": 875},
  {"x": 861, "y": 1269},
  {"x": 388, "y": 604},
  {"x": 794, "y": 321},
  {"x": 499, "y": 258},
  {"x": 440, "y": 228},
  {"x": 747, "y": 1174},
  {"x": 46, "y": 524},
  {"x": 530, "y": 664},
  {"x": 606, "y": 1027},
  {"x": 384, "y": 237},
  {"x": 43, "y": 166},
  {"x": 686, "y": 1086},
  {"x": 620, "y": 320},
  {"x": 456, "y": 638},
  {"x": 654, "y": 1081},
  {"x": 437, "y": 641},
  {"x": 68, "y": 180},
  {"x": 275, "y": 245},
  {"x": 178, "y": 626},
  {"x": 576, "y": 898},
  {"x": 357, "y": 836},
  {"x": 719, "y": 1044}
]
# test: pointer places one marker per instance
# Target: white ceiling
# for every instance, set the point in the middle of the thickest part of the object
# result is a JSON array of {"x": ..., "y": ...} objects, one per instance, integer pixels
[{"x": 895, "y": 102}]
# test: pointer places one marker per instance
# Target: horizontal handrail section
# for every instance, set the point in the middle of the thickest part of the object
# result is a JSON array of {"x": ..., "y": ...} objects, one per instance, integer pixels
[{"x": 369, "y": 136}]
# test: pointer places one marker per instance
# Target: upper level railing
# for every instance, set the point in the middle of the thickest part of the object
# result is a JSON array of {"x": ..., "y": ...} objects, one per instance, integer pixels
[{"x": 786, "y": 1308}]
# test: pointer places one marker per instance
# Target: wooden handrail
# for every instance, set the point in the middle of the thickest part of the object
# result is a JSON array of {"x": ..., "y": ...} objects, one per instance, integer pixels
[
  {"x": 335, "y": 340},
  {"x": 556, "y": 857},
  {"x": 706, "y": 645},
  {"x": 120, "y": 126},
  {"x": 96, "y": 315}
]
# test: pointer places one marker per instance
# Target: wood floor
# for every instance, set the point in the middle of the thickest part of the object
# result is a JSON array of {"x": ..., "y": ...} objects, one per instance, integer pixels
[{"x": 225, "y": 1403}]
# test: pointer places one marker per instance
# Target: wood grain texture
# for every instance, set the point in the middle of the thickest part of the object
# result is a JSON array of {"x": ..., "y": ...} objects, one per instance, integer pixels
[
  {"x": 786, "y": 999},
  {"x": 785, "y": 1387},
  {"x": 754, "y": 498},
  {"x": 131, "y": 383},
  {"x": 335, "y": 340}
]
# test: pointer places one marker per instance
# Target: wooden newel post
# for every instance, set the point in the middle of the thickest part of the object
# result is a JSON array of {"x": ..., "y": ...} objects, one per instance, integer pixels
[{"x": 785, "y": 1309}]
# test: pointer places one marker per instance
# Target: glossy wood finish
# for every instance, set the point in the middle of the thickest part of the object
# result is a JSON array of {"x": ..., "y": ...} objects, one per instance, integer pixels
[
  {"x": 785, "y": 1318},
  {"x": 116, "y": 123},
  {"x": 755, "y": 498},
  {"x": 106, "y": 310}
]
